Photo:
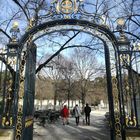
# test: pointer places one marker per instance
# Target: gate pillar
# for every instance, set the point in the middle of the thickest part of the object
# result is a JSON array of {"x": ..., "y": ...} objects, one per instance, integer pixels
[
  {"x": 29, "y": 93},
  {"x": 25, "y": 105}
]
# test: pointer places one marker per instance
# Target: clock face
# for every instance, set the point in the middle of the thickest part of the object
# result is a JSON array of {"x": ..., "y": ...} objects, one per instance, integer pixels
[{"x": 67, "y": 6}]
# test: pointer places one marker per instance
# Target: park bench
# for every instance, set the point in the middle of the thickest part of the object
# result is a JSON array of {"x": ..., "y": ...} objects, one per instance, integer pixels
[{"x": 47, "y": 115}]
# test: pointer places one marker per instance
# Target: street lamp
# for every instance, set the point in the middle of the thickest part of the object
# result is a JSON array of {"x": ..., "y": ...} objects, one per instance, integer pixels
[
  {"x": 124, "y": 44},
  {"x": 14, "y": 30},
  {"x": 13, "y": 44}
]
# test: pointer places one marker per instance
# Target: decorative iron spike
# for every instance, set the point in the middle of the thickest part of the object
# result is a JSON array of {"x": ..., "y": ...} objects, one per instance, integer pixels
[
  {"x": 58, "y": 7},
  {"x": 75, "y": 6}
]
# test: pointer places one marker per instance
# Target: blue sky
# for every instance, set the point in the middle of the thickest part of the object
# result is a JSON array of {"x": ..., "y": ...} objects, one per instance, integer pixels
[
  {"x": 8, "y": 7},
  {"x": 81, "y": 39}
]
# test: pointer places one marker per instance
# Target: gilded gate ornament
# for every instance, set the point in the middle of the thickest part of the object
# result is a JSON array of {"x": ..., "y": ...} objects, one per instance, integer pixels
[
  {"x": 116, "y": 107},
  {"x": 7, "y": 119},
  {"x": 22, "y": 121},
  {"x": 66, "y": 6},
  {"x": 131, "y": 121},
  {"x": 128, "y": 91},
  {"x": 20, "y": 125},
  {"x": 73, "y": 9},
  {"x": 30, "y": 24},
  {"x": 130, "y": 118}
]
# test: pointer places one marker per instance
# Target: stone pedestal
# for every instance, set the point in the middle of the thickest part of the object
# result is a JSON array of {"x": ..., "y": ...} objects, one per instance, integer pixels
[
  {"x": 6, "y": 134},
  {"x": 133, "y": 134}
]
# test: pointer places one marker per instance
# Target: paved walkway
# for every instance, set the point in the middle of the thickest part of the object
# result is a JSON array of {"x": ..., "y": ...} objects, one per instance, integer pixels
[{"x": 98, "y": 130}]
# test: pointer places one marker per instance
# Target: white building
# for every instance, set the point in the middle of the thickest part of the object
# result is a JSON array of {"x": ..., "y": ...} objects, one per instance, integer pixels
[{"x": 49, "y": 104}]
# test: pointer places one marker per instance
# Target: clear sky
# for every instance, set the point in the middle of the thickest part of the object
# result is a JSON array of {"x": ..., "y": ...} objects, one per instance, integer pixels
[{"x": 8, "y": 8}]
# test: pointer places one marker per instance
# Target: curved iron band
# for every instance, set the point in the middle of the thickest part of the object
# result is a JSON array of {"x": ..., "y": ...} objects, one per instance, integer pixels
[{"x": 101, "y": 28}]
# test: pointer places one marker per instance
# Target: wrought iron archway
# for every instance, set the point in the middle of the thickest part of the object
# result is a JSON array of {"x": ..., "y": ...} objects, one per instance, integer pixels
[{"x": 123, "y": 88}]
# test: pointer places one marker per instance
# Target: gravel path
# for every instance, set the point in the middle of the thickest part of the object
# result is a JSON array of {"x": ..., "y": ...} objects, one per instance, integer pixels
[{"x": 98, "y": 130}]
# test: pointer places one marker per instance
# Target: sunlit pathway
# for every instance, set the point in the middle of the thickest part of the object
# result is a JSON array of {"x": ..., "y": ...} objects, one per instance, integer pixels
[{"x": 56, "y": 131}]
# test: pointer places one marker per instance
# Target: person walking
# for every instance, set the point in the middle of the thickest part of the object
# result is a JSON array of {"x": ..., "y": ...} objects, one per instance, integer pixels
[
  {"x": 77, "y": 114},
  {"x": 65, "y": 115},
  {"x": 87, "y": 111}
]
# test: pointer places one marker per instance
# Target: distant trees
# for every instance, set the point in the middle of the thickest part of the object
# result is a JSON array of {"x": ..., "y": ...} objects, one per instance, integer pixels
[
  {"x": 96, "y": 91},
  {"x": 87, "y": 68},
  {"x": 74, "y": 78},
  {"x": 100, "y": 90}
]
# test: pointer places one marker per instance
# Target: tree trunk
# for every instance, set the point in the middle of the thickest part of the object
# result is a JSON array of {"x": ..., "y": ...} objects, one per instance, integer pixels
[{"x": 83, "y": 101}]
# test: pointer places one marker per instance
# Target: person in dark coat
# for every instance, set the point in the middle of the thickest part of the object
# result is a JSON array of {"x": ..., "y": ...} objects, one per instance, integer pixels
[{"x": 87, "y": 111}]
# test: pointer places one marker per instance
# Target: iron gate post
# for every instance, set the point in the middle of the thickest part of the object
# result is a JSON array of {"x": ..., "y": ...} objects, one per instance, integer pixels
[
  {"x": 110, "y": 93},
  {"x": 121, "y": 100},
  {"x": 29, "y": 93}
]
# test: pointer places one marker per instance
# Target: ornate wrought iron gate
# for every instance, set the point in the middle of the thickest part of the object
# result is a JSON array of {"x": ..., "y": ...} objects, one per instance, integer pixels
[
  {"x": 17, "y": 72},
  {"x": 7, "y": 87},
  {"x": 129, "y": 88},
  {"x": 25, "y": 108}
]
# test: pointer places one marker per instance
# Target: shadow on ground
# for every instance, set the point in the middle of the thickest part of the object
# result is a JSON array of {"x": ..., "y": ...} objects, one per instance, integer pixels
[{"x": 98, "y": 130}]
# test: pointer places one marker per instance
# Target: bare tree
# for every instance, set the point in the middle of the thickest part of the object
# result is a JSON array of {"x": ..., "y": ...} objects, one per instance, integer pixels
[
  {"x": 38, "y": 10},
  {"x": 86, "y": 69}
]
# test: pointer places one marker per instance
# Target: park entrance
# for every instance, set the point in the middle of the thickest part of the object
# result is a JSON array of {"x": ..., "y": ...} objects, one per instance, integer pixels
[{"x": 18, "y": 71}]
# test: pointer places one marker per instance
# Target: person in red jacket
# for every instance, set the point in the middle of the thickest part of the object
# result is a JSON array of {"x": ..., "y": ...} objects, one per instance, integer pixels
[{"x": 65, "y": 115}]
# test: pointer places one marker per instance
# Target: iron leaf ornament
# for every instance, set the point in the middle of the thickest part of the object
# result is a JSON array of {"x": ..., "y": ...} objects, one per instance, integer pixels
[{"x": 72, "y": 9}]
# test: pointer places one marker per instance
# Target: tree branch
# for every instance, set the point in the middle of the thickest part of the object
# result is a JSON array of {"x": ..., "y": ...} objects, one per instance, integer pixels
[
  {"x": 55, "y": 54},
  {"x": 16, "y": 1},
  {"x": 5, "y": 33},
  {"x": 129, "y": 34},
  {"x": 8, "y": 66}
]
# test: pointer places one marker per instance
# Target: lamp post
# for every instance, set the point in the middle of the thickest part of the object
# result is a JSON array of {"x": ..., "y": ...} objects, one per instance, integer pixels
[
  {"x": 123, "y": 42},
  {"x": 10, "y": 77},
  {"x": 13, "y": 44},
  {"x": 124, "y": 62},
  {"x": 14, "y": 30}
]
